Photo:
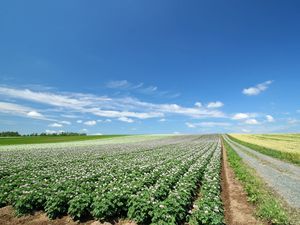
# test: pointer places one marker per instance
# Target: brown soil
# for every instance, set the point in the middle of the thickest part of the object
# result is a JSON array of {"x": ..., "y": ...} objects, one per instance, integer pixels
[
  {"x": 237, "y": 210},
  {"x": 7, "y": 217}
]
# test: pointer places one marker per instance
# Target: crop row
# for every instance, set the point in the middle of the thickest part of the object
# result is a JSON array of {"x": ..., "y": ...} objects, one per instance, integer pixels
[
  {"x": 149, "y": 182},
  {"x": 208, "y": 209}
]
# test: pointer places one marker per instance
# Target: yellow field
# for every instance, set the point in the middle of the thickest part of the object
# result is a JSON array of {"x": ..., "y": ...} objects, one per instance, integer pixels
[{"x": 282, "y": 142}]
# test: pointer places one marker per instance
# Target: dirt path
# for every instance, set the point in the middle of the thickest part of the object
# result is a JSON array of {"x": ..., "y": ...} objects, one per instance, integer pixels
[
  {"x": 7, "y": 217},
  {"x": 237, "y": 210},
  {"x": 281, "y": 176}
]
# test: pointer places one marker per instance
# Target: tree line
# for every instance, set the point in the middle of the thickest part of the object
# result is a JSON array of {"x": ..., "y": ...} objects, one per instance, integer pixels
[{"x": 17, "y": 134}]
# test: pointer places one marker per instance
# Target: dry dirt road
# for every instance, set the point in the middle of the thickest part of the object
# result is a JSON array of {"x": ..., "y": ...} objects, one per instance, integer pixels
[{"x": 282, "y": 177}]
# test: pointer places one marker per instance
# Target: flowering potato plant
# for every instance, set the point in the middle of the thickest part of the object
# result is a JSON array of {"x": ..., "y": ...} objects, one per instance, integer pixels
[
  {"x": 208, "y": 208},
  {"x": 148, "y": 181}
]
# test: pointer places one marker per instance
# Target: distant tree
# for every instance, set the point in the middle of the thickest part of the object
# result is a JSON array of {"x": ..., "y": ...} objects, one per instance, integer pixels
[
  {"x": 9, "y": 134},
  {"x": 16, "y": 134}
]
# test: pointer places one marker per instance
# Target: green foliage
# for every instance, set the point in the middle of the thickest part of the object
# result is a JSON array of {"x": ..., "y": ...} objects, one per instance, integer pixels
[
  {"x": 147, "y": 184},
  {"x": 56, "y": 204},
  {"x": 174, "y": 208},
  {"x": 267, "y": 205},
  {"x": 208, "y": 209},
  {"x": 9, "y": 134},
  {"x": 79, "y": 206},
  {"x": 26, "y": 203}
]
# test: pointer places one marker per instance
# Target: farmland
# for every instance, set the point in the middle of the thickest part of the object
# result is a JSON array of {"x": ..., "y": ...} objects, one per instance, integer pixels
[
  {"x": 282, "y": 146},
  {"x": 282, "y": 142},
  {"x": 145, "y": 179},
  {"x": 50, "y": 139},
  {"x": 154, "y": 181}
]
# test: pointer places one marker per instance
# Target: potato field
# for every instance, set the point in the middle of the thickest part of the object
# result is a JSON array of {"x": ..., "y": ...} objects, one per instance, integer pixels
[{"x": 170, "y": 180}]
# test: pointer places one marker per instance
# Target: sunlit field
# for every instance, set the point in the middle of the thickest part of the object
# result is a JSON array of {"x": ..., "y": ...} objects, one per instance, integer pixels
[{"x": 283, "y": 142}]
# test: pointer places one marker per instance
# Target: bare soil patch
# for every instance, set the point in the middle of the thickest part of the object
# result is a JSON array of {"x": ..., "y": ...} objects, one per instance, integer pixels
[
  {"x": 237, "y": 210},
  {"x": 7, "y": 217}
]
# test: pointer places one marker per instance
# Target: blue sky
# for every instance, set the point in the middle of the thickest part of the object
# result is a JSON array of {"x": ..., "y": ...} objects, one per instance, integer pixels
[{"x": 150, "y": 66}]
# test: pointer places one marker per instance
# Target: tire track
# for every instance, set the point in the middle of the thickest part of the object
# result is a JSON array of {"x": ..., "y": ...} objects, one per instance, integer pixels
[{"x": 281, "y": 176}]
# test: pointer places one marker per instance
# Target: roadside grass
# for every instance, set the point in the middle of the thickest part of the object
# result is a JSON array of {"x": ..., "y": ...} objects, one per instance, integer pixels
[
  {"x": 266, "y": 203},
  {"x": 51, "y": 139},
  {"x": 285, "y": 156}
]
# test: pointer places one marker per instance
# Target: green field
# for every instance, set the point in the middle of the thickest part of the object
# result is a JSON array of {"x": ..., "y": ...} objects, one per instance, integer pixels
[
  {"x": 147, "y": 182},
  {"x": 50, "y": 139}
]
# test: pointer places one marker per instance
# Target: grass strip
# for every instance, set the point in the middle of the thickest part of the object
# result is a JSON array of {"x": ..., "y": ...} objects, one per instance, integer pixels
[
  {"x": 286, "y": 156},
  {"x": 266, "y": 203}
]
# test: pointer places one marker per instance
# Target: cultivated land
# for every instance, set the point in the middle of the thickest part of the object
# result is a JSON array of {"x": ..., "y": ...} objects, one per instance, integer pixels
[
  {"x": 94, "y": 142},
  {"x": 282, "y": 142},
  {"x": 153, "y": 181},
  {"x": 50, "y": 139},
  {"x": 282, "y": 146},
  {"x": 141, "y": 179}
]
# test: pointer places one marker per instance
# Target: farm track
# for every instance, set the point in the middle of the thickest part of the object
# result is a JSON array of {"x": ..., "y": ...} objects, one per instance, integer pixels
[
  {"x": 237, "y": 210},
  {"x": 282, "y": 177}
]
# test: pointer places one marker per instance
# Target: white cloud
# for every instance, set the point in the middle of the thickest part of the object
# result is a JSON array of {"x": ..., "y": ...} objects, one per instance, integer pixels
[
  {"x": 20, "y": 110},
  {"x": 198, "y": 104},
  {"x": 216, "y": 104},
  {"x": 190, "y": 125},
  {"x": 149, "y": 90},
  {"x": 270, "y": 118},
  {"x": 104, "y": 121},
  {"x": 257, "y": 89},
  {"x": 125, "y": 119},
  {"x": 96, "y": 134},
  {"x": 72, "y": 100},
  {"x": 55, "y": 125},
  {"x": 103, "y": 106},
  {"x": 69, "y": 116},
  {"x": 84, "y": 103},
  {"x": 248, "y": 118},
  {"x": 65, "y": 122},
  {"x": 207, "y": 124},
  {"x": 293, "y": 121},
  {"x": 124, "y": 85},
  {"x": 118, "y": 84},
  {"x": 90, "y": 123},
  {"x": 79, "y": 121},
  {"x": 54, "y": 131},
  {"x": 251, "y": 122},
  {"x": 240, "y": 116},
  {"x": 191, "y": 112},
  {"x": 162, "y": 120},
  {"x": 34, "y": 114}
]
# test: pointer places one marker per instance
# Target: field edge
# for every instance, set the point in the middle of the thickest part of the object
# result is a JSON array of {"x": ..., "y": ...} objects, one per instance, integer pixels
[
  {"x": 285, "y": 156},
  {"x": 266, "y": 203}
]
